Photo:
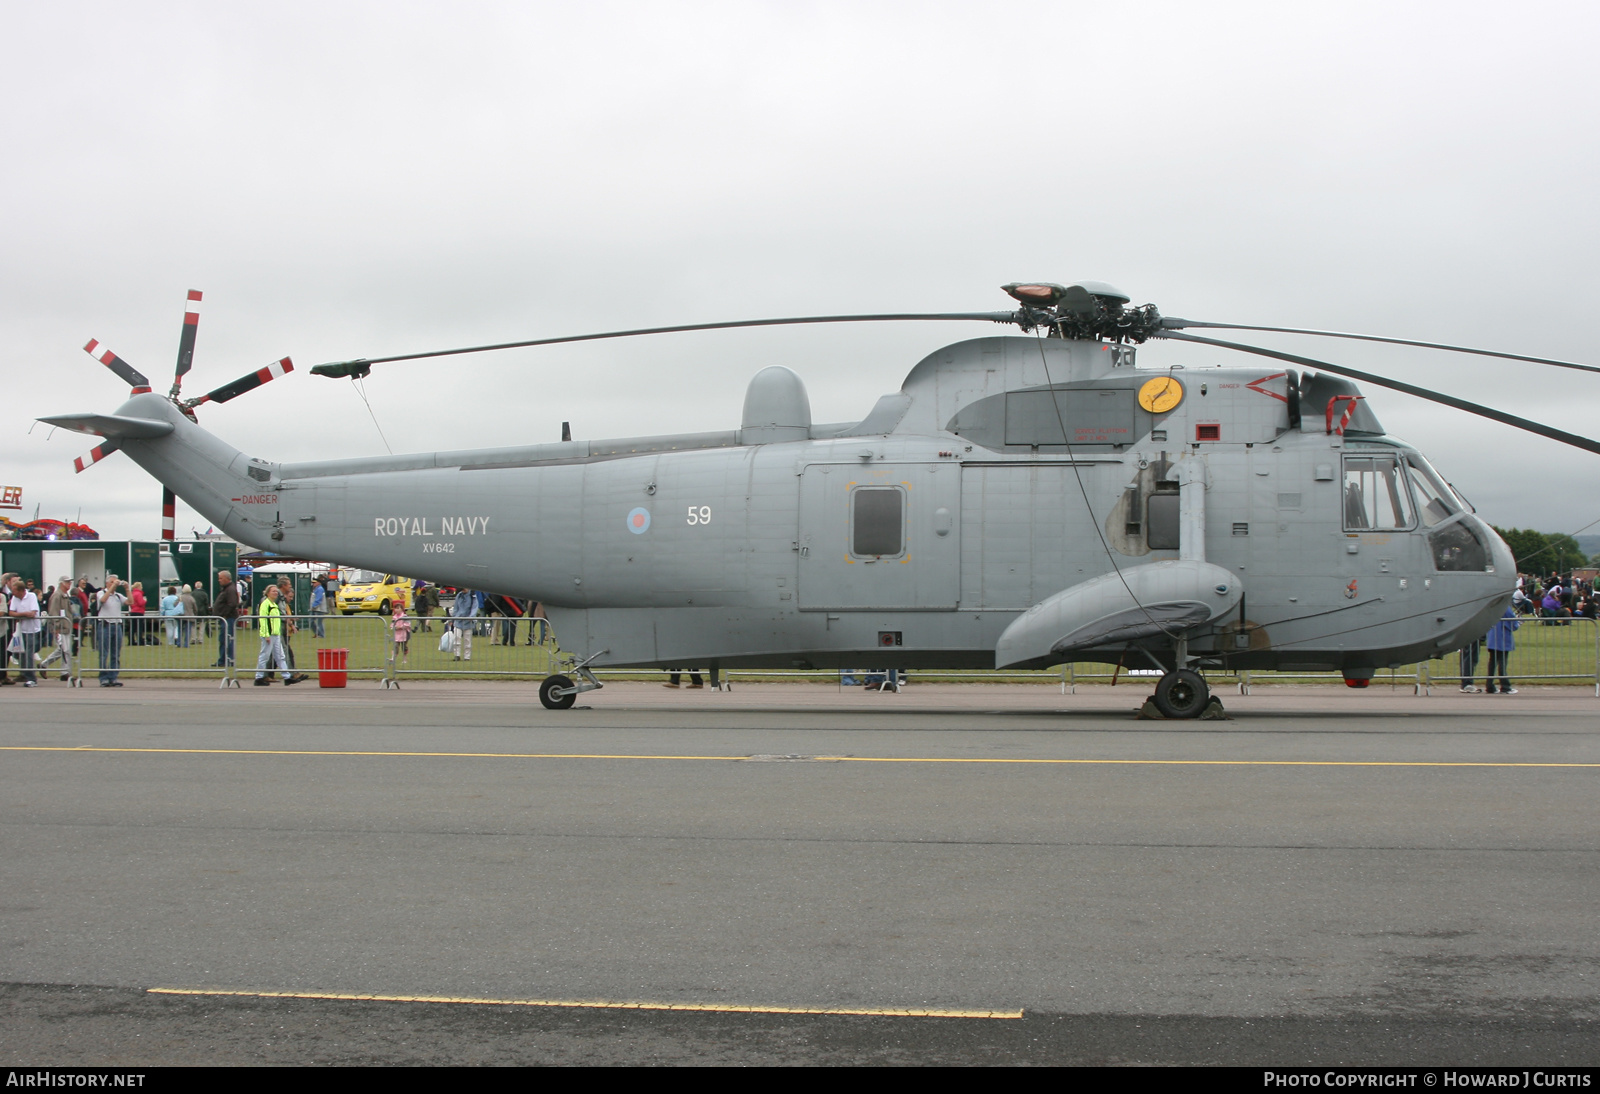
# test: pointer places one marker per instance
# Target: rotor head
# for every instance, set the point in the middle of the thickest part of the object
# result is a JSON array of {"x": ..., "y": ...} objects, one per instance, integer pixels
[{"x": 1082, "y": 310}]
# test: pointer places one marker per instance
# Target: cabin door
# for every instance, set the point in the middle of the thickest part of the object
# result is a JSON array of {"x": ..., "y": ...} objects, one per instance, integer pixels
[{"x": 875, "y": 536}]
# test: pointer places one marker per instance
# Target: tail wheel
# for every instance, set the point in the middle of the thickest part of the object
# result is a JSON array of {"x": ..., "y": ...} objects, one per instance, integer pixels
[
  {"x": 552, "y": 701},
  {"x": 1182, "y": 694}
]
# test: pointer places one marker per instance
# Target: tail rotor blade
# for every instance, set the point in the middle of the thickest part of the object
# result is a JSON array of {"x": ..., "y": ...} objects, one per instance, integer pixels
[
  {"x": 191, "y": 326},
  {"x": 169, "y": 513},
  {"x": 246, "y": 383},
  {"x": 129, "y": 375},
  {"x": 96, "y": 454}
]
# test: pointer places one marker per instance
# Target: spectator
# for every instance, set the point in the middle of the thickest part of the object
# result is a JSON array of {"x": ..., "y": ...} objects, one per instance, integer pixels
[
  {"x": 136, "y": 610},
  {"x": 1552, "y": 606},
  {"x": 6, "y": 626},
  {"x": 286, "y": 603},
  {"x": 427, "y": 602},
  {"x": 202, "y": 611},
  {"x": 463, "y": 616},
  {"x": 270, "y": 623},
  {"x": 86, "y": 597},
  {"x": 24, "y": 609},
  {"x": 61, "y": 608},
  {"x": 1501, "y": 643},
  {"x": 538, "y": 624},
  {"x": 1469, "y": 665},
  {"x": 227, "y": 609},
  {"x": 675, "y": 675},
  {"x": 319, "y": 607},
  {"x": 171, "y": 611},
  {"x": 186, "y": 625},
  {"x": 400, "y": 628},
  {"x": 110, "y": 608}
]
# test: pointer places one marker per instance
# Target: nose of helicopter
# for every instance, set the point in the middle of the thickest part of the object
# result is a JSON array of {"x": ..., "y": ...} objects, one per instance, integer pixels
[{"x": 1500, "y": 556}]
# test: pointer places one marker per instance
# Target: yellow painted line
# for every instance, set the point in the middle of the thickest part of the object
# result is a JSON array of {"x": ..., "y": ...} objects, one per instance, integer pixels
[
  {"x": 336, "y": 752},
  {"x": 800, "y": 759},
  {"x": 1194, "y": 763},
  {"x": 599, "y": 1004}
]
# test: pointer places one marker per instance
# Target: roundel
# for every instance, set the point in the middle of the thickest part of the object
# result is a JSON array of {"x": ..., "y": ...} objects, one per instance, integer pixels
[{"x": 639, "y": 521}]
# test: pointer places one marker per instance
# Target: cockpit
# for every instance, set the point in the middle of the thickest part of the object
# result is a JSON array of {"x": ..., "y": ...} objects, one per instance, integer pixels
[{"x": 1401, "y": 492}]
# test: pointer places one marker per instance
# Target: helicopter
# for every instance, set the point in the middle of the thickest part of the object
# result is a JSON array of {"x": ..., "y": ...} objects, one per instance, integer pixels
[{"x": 1022, "y": 501}]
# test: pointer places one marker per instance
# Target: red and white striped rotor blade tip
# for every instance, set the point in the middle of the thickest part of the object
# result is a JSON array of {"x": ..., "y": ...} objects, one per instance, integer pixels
[
  {"x": 248, "y": 382},
  {"x": 129, "y": 375},
  {"x": 169, "y": 513},
  {"x": 191, "y": 325},
  {"x": 96, "y": 454}
]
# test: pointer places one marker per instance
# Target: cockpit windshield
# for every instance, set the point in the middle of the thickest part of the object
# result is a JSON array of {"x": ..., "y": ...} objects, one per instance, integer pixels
[{"x": 1436, "y": 502}]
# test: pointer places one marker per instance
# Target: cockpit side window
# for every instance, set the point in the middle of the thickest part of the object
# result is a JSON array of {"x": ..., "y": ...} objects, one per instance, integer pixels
[{"x": 1375, "y": 496}]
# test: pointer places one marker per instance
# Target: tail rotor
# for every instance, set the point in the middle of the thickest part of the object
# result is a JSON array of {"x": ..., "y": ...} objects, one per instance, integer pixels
[
  {"x": 96, "y": 454},
  {"x": 139, "y": 384}
]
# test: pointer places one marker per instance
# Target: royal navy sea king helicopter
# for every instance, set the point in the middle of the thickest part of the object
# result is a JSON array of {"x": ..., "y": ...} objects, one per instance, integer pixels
[{"x": 1021, "y": 501}]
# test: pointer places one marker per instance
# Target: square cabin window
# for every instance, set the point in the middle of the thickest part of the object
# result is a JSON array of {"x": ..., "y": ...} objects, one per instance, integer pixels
[{"x": 877, "y": 521}]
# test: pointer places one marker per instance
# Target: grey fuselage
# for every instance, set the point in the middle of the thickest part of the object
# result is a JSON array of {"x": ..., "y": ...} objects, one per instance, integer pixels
[{"x": 743, "y": 549}]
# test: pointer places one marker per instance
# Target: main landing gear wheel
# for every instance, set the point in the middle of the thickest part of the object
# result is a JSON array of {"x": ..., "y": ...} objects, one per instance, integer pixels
[
  {"x": 552, "y": 701},
  {"x": 1182, "y": 694}
]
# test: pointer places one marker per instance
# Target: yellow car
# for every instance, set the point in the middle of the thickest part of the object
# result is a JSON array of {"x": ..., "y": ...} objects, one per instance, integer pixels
[{"x": 372, "y": 592}]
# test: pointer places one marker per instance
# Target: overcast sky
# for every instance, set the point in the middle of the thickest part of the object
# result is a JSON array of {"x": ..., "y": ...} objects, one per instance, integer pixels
[{"x": 349, "y": 180}]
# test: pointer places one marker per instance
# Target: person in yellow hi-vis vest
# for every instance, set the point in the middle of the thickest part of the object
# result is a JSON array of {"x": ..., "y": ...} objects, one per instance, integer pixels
[{"x": 269, "y": 620}]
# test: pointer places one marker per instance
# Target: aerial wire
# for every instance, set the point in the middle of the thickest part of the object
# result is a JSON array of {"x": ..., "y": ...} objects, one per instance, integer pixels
[
  {"x": 1072, "y": 461},
  {"x": 1551, "y": 546},
  {"x": 361, "y": 391}
]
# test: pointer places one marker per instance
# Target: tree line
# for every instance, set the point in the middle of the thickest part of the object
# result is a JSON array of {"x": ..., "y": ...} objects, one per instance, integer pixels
[{"x": 1544, "y": 552}]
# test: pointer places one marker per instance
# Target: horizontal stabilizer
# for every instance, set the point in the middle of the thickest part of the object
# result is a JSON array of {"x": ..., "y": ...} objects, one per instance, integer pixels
[{"x": 111, "y": 425}]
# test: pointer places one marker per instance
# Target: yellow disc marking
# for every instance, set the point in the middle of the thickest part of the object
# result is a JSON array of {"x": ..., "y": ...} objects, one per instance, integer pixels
[{"x": 1160, "y": 394}]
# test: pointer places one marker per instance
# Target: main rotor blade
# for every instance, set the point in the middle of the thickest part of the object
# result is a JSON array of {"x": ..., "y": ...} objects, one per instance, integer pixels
[
  {"x": 245, "y": 383},
  {"x": 361, "y": 366},
  {"x": 1170, "y": 323},
  {"x": 169, "y": 513},
  {"x": 191, "y": 326},
  {"x": 96, "y": 454},
  {"x": 130, "y": 375},
  {"x": 1410, "y": 389}
]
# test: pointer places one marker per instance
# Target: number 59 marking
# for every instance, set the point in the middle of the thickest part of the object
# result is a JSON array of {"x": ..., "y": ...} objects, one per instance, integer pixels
[{"x": 699, "y": 514}]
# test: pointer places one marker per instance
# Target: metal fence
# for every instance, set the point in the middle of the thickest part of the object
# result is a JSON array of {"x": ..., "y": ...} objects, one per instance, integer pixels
[
  {"x": 206, "y": 646},
  {"x": 369, "y": 647},
  {"x": 484, "y": 646}
]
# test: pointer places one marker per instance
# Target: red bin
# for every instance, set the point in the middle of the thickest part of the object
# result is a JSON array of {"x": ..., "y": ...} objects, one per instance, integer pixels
[{"x": 331, "y": 667}]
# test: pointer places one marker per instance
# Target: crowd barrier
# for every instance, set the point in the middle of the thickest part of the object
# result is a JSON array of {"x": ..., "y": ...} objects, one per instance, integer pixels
[
  {"x": 484, "y": 646},
  {"x": 1547, "y": 651}
]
